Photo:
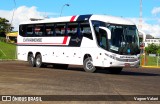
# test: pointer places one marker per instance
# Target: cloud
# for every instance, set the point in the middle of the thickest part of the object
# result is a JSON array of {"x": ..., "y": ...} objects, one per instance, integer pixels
[
  {"x": 22, "y": 14},
  {"x": 152, "y": 29},
  {"x": 156, "y": 10}
]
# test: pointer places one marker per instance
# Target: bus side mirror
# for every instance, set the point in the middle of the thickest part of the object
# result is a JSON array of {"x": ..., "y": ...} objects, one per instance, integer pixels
[
  {"x": 107, "y": 31},
  {"x": 142, "y": 44}
]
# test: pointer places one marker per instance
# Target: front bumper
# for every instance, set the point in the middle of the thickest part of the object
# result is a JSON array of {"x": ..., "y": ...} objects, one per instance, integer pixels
[{"x": 135, "y": 64}]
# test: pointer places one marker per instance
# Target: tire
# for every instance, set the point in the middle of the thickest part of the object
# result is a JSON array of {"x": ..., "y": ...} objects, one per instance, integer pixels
[
  {"x": 60, "y": 66},
  {"x": 88, "y": 65},
  {"x": 31, "y": 60},
  {"x": 115, "y": 70},
  {"x": 38, "y": 61}
]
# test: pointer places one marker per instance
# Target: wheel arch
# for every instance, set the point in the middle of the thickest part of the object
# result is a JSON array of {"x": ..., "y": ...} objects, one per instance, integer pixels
[
  {"x": 37, "y": 53},
  {"x": 86, "y": 56}
]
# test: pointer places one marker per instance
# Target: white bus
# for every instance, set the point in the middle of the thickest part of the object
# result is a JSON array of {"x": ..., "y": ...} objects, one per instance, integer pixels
[{"x": 94, "y": 41}]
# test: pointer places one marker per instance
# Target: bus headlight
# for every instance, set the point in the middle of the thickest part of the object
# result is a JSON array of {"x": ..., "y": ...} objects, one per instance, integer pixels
[{"x": 111, "y": 56}]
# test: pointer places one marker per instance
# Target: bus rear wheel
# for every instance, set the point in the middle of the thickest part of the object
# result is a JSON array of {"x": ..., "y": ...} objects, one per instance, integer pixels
[
  {"x": 38, "y": 61},
  {"x": 31, "y": 60},
  {"x": 88, "y": 65}
]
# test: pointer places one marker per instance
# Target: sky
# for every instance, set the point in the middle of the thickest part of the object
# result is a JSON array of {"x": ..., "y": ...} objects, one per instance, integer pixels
[{"x": 130, "y": 9}]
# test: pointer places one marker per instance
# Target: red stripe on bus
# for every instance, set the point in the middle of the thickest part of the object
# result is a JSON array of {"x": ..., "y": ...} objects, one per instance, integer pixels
[
  {"x": 72, "y": 19},
  {"x": 65, "y": 40}
]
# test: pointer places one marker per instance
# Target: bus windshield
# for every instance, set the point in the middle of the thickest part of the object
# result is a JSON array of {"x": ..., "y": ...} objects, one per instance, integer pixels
[{"x": 124, "y": 38}]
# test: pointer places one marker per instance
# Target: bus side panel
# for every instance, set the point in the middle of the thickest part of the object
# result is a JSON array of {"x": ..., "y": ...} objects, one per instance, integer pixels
[
  {"x": 62, "y": 55},
  {"x": 22, "y": 53},
  {"x": 89, "y": 47}
]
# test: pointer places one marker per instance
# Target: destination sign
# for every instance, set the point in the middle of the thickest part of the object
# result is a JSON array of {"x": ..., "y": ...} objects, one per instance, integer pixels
[{"x": 32, "y": 40}]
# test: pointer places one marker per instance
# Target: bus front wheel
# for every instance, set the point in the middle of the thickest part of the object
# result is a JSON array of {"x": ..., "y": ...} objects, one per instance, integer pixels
[
  {"x": 38, "y": 61},
  {"x": 88, "y": 65}
]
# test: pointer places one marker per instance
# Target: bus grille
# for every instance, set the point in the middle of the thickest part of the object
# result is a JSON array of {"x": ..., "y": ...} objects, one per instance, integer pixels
[{"x": 127, "y": 60}]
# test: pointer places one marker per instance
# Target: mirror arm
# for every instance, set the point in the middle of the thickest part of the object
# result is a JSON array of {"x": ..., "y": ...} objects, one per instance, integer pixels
[{"x": 107, "y": 30}]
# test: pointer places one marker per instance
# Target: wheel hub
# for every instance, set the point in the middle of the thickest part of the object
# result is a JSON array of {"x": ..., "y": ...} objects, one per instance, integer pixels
[
  {"x": 38, "y": 61},
  {"x": 89, "y": 65}
]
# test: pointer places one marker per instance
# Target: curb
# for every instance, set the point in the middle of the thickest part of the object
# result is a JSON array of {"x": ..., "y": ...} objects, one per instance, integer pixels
[{"x": 150, "y": 66}]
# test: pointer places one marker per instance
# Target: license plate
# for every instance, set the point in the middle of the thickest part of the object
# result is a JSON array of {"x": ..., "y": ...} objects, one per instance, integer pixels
[{"x": 127, "y": 65}]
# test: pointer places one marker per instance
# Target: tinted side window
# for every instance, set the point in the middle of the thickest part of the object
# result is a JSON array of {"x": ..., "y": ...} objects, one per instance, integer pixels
[
  {"x": 39, "y": 30},
  {"x": 22, "y": 30},
  {"x": 102, "y": 39},
  {"x": 30, "y": 31},
  {"x": 49, "y": 30},
  {"x": 86, "y": 30},
  {"x": 98, "y": 23},
  {"x": 72, "y": 29},
  {"x": 60, "y": 29}
]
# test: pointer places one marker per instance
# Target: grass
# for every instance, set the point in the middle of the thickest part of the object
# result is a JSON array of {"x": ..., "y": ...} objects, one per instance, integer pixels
[
  {"x": 7, "y": 51},
  {"x": 150, "y": 61}
]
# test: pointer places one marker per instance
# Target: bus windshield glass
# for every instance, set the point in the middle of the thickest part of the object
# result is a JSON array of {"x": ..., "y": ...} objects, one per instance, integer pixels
[{"x": 124, "y": 38}]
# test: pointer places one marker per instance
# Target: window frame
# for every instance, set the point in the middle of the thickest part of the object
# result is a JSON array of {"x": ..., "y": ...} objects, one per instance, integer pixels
[{"x": 63, "y": 29}]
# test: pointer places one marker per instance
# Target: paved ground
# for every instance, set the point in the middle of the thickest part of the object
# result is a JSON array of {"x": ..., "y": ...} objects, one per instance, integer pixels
[{"x": 18, "y": 78}]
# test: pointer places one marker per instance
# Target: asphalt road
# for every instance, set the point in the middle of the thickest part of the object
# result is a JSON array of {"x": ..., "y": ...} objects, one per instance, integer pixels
[{"x": 18, "y": 78}]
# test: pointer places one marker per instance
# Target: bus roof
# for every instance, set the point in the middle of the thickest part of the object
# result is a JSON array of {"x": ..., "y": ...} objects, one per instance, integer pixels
[
  {"x": 112, "y": 19},
  {"x": 104, "y": 18}
]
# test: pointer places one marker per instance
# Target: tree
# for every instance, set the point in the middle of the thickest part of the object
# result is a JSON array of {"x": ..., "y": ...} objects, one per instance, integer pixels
[
  {"x": 158, "y": 51},
  {"x": 5, "y": 26},
  {"x": 147, "y": 50},
  {"x": 151, "y": 49}
]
